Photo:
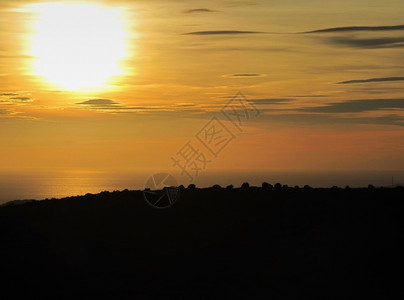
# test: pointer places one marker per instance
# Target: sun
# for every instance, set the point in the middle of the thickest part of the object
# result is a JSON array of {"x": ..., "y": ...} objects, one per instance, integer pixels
[{"x": 78, "y": 46}]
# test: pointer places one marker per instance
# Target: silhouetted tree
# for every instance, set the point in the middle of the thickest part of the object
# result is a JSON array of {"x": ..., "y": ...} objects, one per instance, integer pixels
[
  {"x": 371, "y": 186},
  {"x": 191, "y": 186},
  {"x": 245, "y": 185},
  {"x": 230, "y": 187},
  {"x": 307, "y": 186},
  {"x": 266, "y": 185},
  {"x": 278, "y": 186}
]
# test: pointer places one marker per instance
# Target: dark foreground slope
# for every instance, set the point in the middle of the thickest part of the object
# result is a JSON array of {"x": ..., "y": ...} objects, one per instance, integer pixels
[{"x": 214, "y": 243}]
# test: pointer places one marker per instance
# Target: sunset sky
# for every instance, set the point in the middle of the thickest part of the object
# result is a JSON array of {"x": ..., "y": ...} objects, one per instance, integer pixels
[{"x": 122, "y": 86}]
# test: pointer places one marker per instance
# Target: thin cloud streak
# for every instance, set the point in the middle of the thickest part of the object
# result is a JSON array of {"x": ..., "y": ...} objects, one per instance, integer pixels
[
  {"x": 381, "y": 79},
  {"x": 199, "y": 10},
  {"x": 368, "y": 43},
  {"x": 222, "y": 32},
  {"x": 356, "y": 28},
  {"x": 244, "y": 75},
  {"x": 276, "y": 101},
  {"x": 357, "y": 106}
]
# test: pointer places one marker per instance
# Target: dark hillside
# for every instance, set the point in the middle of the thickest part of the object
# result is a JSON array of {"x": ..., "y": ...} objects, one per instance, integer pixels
[{"x": 251, "y": 243}]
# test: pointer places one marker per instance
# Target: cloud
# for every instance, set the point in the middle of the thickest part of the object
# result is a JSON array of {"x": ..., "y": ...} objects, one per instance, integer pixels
[
  {"x": 108, "y": 105},
  {"x": 199, "y": 10},
  {"x": 322, "y": 119},
  {"x": 310, "y": 96},
  {"x": 356, "y": 106},
  {"x": 111, "y": 105},
  {"x": 221, "y": 32},
  {"x": 11, "y": 98},
  {"x": 4, "y": 112},
  {"x": 356, "y": 28},
  {"x": 369, "y": 43},
  {"x": 381, "y": 79},
  {"x": 23, "y": 99},
  {"x": 240, "y": 3},
  {"x": 364, "y": 43},
  {"x": 8, "y": 94},
  {"x": 271, "y": 101},
  {"x": 244, "y": 75},
  {"x": 10, "y": 113},
  {"x": 100, "y": 103}
]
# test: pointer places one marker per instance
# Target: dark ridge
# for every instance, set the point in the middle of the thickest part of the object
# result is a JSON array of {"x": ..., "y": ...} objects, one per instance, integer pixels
[{"x": 269, "y": 242}]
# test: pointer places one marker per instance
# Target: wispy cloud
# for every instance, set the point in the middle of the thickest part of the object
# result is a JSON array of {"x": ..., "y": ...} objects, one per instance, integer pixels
[
  {"x": 4, "y": 112},
  {"x": 240, "y": 3},
  {"x": 13, "y": 114},
  {"x": 222, "y": 32},
  {"x": 10, "y": 98},
  {"x": 199, "y": 10},
  {"x": 326, "y": 119},
  {"x": 342, "y": 36},
  {"x": 100, "y": 103},
  {"x": 357, "y": 28},
  {"x": 22, "y": 99},
  {"x": 356, "y": 106},
  {"x": 108, "y": 105},
  {"x": 275, "y": 101},
  {"x": 8, "y": 94},
  {"x": 368, "y": 43},
  {"x": 244, "y": 75},
  {"x": 380, "y": 79}
]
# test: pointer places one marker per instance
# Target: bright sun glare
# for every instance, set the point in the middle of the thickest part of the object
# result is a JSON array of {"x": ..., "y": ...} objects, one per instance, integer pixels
[{"x": 78, "y": 46}]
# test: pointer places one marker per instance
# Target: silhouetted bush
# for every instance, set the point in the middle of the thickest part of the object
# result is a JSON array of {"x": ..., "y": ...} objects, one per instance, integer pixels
[
  {"x": 230, "y": 187},
  {"x": 191, "y": 186},
  {"x": 278, "y": 186}
]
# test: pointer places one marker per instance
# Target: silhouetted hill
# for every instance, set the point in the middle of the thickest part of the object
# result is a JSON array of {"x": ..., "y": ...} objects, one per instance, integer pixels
[{"x": 251, "y": 243}]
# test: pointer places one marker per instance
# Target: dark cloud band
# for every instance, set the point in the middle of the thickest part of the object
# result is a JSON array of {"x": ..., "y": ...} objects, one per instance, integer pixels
[
  {"x": 221, "y": 32},
  {"x": 199, "y": 10},
  {"x": 381, "y": 79},
  {"x": 368, "y": 43},
  {"x": 356, "y": 106},
  {"x": 356, "y": 28}
]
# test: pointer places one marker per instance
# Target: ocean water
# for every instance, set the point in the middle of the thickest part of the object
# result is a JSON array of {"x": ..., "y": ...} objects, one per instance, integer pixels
[{"x": 41, "y": 185}]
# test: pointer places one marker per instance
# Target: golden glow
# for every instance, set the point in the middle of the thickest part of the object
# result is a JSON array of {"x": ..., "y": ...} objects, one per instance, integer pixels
[{"x": 78, "y": 46}]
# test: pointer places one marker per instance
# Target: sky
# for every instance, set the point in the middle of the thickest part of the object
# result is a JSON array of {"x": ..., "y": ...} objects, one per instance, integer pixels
[{"x": 127, "y": 86}]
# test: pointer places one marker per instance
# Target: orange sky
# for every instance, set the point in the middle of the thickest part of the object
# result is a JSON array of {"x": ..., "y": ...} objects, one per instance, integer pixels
[{"x": 123, "y": 85}]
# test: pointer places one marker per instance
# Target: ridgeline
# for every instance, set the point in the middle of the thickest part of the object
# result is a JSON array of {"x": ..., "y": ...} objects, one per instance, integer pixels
[{"x": 251, "y": 243}]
